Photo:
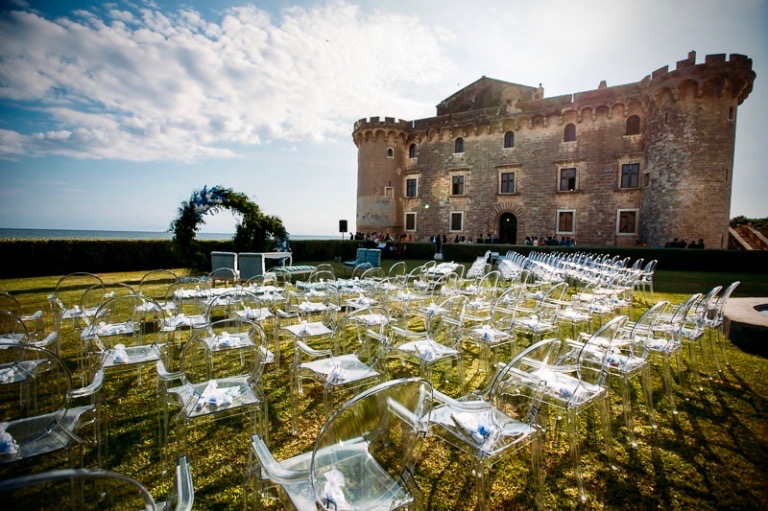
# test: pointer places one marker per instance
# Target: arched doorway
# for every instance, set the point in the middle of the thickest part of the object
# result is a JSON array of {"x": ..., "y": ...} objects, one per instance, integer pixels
[{"x": 508, "y": 228}]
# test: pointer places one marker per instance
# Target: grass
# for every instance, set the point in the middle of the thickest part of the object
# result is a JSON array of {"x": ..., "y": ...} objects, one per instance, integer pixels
[{"x": 713, "y": 455}]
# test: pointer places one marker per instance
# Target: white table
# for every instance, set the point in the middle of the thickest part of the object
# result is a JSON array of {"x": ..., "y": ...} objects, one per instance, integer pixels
[{"x": 275, "y": 255}]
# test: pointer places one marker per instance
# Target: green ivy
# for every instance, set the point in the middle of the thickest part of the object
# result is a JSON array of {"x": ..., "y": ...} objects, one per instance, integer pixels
[{"x": 251, "y": 234}]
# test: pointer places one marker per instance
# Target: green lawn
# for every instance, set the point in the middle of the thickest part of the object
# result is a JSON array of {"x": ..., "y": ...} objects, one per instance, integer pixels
[{"x": 714, "y": 455}]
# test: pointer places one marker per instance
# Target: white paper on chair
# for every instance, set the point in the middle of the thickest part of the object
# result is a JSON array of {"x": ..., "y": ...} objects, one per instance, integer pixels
[
  {"x": 8, "y": 446},
  {"x": 214, "y": 397},
  {"x": 336, "y": 373},
  {"x": 479, "y": 425},
  {"x": 119, "y": 355},
  {"x": 333, "y": 491}
]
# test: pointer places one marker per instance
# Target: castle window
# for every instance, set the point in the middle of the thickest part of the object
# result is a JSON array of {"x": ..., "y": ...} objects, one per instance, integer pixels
[
  {"x": 569, "y": 134},
  {"x": 507, "y": 182},
  {"x": 458, "y": 146},
  {"x": 566, "y": 221},
  {"x": 730, "y": 113},
  {"x": 626, "y": 221},
  {"x": 568, "y": 179},
  {"x": 410, "y": 221},
  {"x": 457, "y": 185},
  {"x": 630, "y": 175},
  {"x": 457, "y": 221},
  {"x": 389, "y": 192},
  {"x": 412, "y": 187},
  {"x": 390, "y": 152},
  {"x": 633, "y": 125},
  {"x": 509, "y": 139},
  {"x": 412, "y": 151}
]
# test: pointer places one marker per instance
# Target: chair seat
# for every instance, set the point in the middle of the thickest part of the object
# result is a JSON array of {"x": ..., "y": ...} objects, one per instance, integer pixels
[
  {"x": 340, "y": 370},
  {"x": 44, "y": 433},
  {"x": 427, "y": 350},
  {"x": 486, "y": 429},
  {"x": 228, "y": 394},
  {"x": 374, "y": 489}
]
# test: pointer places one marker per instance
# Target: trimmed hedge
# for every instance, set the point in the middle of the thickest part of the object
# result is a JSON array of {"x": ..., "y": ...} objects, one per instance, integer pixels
[
  {"x": 33, "y": 257},
  {"x": 682, "y": 259}
]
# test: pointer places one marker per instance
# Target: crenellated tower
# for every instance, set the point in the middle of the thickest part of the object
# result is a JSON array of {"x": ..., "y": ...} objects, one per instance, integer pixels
[
  {"x": 689, "y": 147},
  {"x": 381, "y": 154}
]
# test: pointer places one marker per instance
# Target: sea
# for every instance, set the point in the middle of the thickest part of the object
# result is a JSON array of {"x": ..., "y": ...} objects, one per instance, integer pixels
[{"x": 6, "y": 233}]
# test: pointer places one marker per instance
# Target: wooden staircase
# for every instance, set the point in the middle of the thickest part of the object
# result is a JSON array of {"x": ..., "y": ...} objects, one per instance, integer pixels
[{"x": 745, "y": 237}]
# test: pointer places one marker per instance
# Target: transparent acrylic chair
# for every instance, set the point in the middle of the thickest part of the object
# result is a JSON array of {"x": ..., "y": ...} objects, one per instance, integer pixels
[
  {"x": 667, "y": 341},
  {"x": 363, "y": 456},
  {"x": 714, "y": 326},
  {"x": 495, "y": 334},
  {"x": 221, "y": 367},
  {"x": 41, "y": 413},
  {"x": 155, "y": 284},
  {"x": 428, "y": 338},
  {"x": 627, "y": 358},
  {"x": 93, "y": 489},
  {"x": 34, "y": 323},
  {"x": 349, "y": 360},
  {"x": 494, "y": 423},
  {"x": 575, "y": 382}
]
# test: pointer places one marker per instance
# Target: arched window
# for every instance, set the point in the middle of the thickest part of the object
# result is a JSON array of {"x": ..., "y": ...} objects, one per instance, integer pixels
[
  {"x": 509, "y": 139},
  {"x": 412, "y": 151},
  {"x": 633, "y": 125},
  {"x": 458, "y": 146},
  {"x": 569, "y": 135},
  {"x": 390, "y": 152}
]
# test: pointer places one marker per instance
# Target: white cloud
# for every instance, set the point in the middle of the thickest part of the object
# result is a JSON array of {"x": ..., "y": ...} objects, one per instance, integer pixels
[{"x": 151, "y": 85}]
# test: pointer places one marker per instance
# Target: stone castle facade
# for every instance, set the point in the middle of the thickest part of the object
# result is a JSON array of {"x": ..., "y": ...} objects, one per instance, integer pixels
[{"x": 644, "y": 162}]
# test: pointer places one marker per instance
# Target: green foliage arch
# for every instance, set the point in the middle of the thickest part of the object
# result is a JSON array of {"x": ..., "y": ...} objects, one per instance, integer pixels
[{"x": 253, "y": 233}]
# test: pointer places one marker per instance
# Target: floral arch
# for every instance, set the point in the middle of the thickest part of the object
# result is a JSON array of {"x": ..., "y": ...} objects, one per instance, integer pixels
[{"x": 252, "y": 233}]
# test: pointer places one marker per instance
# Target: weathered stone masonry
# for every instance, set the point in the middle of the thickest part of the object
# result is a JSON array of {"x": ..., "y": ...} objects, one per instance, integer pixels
[{"x": 672, "y": 134}]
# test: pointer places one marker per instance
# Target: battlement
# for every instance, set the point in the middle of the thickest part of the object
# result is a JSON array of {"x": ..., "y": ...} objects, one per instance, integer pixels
[
  {"x": 488, "y": 100},
  {"x": 387, "y": 123}
]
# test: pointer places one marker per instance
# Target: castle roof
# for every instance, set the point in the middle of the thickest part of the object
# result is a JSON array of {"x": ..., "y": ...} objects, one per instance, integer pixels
[{"x": 485, "y": 93}]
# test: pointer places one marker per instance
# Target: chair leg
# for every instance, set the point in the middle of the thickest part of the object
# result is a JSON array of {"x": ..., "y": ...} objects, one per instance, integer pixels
[
  {"x": 626, "y": 405},
  {"x": 667, "y": 377},
  {"x": 645, "y": 381},
  {"x": 481, "y": 479},
  {"x": 572, "y": 426}
]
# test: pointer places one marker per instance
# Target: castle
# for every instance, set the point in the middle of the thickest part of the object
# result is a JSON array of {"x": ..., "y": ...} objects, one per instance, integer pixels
[{"x": 644, "y": 162}]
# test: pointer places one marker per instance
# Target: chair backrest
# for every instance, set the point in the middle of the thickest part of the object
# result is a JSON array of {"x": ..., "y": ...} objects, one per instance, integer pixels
[
  {"x": 513, "y": 389},
  {"x": 9, "y": 303},
  {"x": 34, "y": 401},
  {"x": 12, "y": 328},
  {"x": 94, "y": 489},
  {"x": 723, "y": 300},
  {"x": 250, "y": 264},
  {"x": 364, "y": 332},
  {"x": 590, "y": 359},
  {"x": 380, "y": 429},
  {"x": 76, "y": 489},
  {"x": 227, "y": 348},
  {"x": 130, "y": 320},
  {"x": 398, "y": 270},
  {"x": 375, "y": 273},
  {"x": 154, "y": 284},
  {"x": 359, "y": 269}
]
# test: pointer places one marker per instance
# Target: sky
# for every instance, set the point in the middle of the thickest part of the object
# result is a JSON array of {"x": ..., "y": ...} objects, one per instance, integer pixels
[{"x": 113, "y": 113}]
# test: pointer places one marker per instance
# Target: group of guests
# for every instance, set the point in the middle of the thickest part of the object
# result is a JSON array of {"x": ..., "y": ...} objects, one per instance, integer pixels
[
  {"x": 681, "y": 243},
  {"x": 564, "y": 241}
]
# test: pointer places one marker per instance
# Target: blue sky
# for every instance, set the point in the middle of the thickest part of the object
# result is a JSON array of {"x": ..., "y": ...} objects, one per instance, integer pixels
[{"x": 112, "y": 113}]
